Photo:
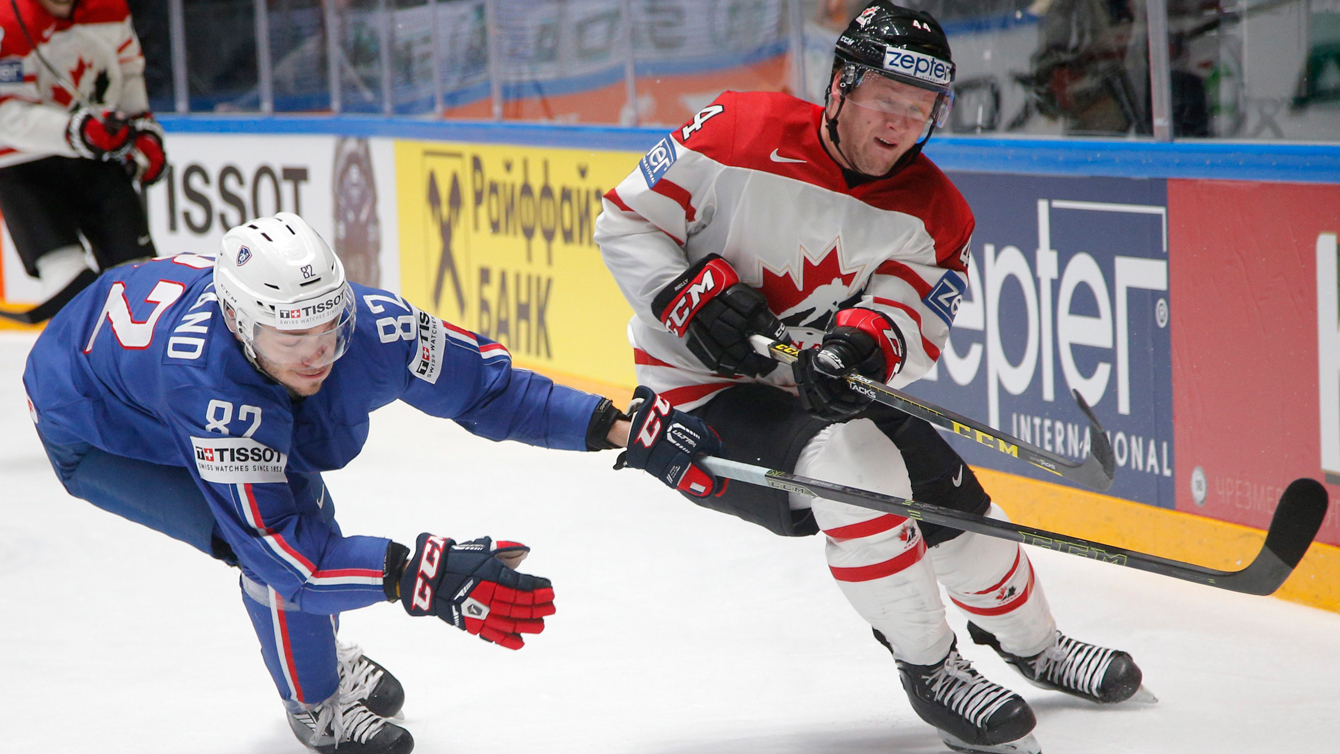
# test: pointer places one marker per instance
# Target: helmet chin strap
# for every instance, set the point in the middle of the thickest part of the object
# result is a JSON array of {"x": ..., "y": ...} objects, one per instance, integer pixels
[
  {"x": 851, "y": 81},
  {"x": 832, "y": 125}
]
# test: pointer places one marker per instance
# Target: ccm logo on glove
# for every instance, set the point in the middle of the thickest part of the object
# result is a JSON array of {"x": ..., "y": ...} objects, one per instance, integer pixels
[
  {"x": 664, "y": 442},
  {"x": 472, "y": 586},
  {"x": 423, "y": 585},
  {"x": 691, "y": 293}
]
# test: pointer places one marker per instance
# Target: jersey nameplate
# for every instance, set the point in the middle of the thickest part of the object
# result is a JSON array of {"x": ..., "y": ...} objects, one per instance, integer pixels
[
  {"x": 944, "y": 298},
  {"x": 234, "y": 460},
  {"x": 656, "y": 162},
  {"x": 427, "y": 363}
]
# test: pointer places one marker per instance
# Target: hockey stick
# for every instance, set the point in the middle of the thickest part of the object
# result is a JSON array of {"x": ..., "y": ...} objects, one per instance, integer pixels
[
  {"x": 47, "y": 309},
  {"x": 1096, "y": 471},
  {"x": 1297, "y": 518}
]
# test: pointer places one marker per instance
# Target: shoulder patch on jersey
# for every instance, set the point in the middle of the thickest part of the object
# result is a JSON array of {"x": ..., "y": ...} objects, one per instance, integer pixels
[
  {"x": 432, "y": 342},
  {"x": 237, "y": 460},
  {"x": 11, "y": 71},
  {"x": 656, "y": 162},
  {"x": 944, "y": 298}
]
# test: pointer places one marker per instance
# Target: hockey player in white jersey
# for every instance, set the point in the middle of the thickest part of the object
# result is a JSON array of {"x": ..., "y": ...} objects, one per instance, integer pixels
[
  {"x": 76, "y": 135},
  {"x": 825, "y": 226}
]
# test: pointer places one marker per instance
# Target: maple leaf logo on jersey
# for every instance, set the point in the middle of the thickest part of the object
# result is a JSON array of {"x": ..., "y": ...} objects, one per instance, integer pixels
[{"x": 807, "y": 291}]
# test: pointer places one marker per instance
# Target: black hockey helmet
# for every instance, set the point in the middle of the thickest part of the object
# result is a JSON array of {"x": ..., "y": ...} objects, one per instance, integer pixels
[{"x": 902, "y": 44}]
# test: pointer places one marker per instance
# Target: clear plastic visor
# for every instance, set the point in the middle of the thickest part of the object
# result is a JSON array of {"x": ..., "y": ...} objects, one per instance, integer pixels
[
  {"x": 309, "y": 349},
  {"x": 913, "y": 107}
]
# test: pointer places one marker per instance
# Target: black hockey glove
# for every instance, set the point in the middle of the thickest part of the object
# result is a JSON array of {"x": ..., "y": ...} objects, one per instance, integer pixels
[
  {"x": 863, "y": 342},
  {"x": 719, "y": 313},
  {"x": 97, "y": 135},
  {"x": 471, "y": 585},
  {"x": 663, "y": 441}
]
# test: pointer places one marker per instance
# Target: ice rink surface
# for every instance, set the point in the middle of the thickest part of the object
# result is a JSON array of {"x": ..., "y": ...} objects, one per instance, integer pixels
[{"x": 679, "y": 631}]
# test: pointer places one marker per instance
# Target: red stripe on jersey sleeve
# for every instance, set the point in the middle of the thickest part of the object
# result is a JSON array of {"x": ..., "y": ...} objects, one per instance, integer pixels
[
  {"x": 677, "y": 193},
  {"x": 613, "y": 197},
  {"x": 905, "y": 273},
  {"x": 646, "y": 359},
  {"x": 267, "y": 531},
  {"x": 689, "y": 393},
  {"x": 6, "y": 98},
  {"x": 336, "y": 573}
]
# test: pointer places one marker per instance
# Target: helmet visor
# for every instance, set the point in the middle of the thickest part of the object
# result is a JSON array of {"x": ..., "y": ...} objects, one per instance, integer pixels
[
  {"x": 309, "y": 348},
  {"x": 915, "y": 107}
]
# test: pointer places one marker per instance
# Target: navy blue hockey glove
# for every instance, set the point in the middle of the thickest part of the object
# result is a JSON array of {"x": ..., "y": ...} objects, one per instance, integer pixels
[
  {"x": 663, "y": 441},
  {"x": 472, "y": 585},
  {"x": 863, "y": 342},
  {"x": 718, "y": 313}
]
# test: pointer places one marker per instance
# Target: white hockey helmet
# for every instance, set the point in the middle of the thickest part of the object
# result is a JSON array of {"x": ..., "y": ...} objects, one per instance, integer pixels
[{"x": 285, "y": 292}]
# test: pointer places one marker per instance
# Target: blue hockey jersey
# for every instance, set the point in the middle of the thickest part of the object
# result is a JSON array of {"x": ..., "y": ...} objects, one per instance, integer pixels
[{"x": 142, "y": 365}]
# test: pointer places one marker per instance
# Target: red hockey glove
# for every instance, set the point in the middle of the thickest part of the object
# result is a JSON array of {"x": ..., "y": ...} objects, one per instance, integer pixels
[
  {"x": 97, "y": 135},
  {"x": 862, "y": 341},
  {"x": 663, "y": 441},
  {"x": 147, "y": 157},
  {"x": 718, "y": 313},
  {"x": 472, "y": 585}
]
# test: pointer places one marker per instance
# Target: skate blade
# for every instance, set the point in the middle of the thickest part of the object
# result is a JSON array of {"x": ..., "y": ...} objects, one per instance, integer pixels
[
  {"x": 1026, "y": 745},
  {"x": 1142, "y": 695}
]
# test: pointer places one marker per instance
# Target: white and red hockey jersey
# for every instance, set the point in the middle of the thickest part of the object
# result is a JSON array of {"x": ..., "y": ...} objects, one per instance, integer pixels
[
  {"x": 748, "y": 178},
  {"x": 95, "y": 50}
]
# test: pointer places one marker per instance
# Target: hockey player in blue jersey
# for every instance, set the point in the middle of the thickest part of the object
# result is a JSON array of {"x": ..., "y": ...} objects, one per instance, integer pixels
[{"x": 204, "y": 397}]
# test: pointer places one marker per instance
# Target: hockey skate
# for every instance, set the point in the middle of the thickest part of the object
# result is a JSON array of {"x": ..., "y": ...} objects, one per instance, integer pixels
[
  {"x": 971, "y": 713},
  {"x": 363, "y": 679},
  {"x": 341, "y": 724},
  {"x": 1102, "y": 675}
]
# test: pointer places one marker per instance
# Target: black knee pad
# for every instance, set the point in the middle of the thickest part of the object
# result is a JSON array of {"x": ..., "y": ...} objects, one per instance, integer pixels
[
  {"x": 939, "y": 475},
  {"x": 766, "y": 426}
]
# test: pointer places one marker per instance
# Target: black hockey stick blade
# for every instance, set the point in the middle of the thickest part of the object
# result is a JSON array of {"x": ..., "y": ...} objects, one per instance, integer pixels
[
  {"x": 47, "y": 309},
  {"x": 1096, "y": 471},
  {"x": 1295, "y": 524},
  {"x": 1297, "y": 519}
]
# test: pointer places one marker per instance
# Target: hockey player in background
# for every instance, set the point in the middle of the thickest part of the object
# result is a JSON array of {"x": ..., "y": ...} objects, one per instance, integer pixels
[
  {"x": 204, "y": 398},
  {"x": 827, "y": 227},
  {"x": 76, "y": 135}
]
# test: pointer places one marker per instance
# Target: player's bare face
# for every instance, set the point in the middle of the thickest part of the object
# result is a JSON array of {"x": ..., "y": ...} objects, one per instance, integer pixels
[
  {"x": 882, "y": 119},
  {"x": 58, "y": 8},
  {"x": 300, "y": 360}
]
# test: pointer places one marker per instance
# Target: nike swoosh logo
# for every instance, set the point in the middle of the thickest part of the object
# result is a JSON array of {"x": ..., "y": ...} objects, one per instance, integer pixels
[
  {"x": 778, "y": 158},
  {"x": 958, "y": 479},
  {"x": 142, "y": 240}
]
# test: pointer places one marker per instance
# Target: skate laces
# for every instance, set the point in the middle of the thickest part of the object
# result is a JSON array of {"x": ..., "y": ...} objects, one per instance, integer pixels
[
  {"x": 956, "y": 685},
  {"x": 358, "y": 677},
  {"x": 1073, "y": 664},
  {"x": 346, "y": 719}
]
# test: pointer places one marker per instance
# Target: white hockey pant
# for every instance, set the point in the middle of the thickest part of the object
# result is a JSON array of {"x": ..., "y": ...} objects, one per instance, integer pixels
[{"x": 880, "y": 564}]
